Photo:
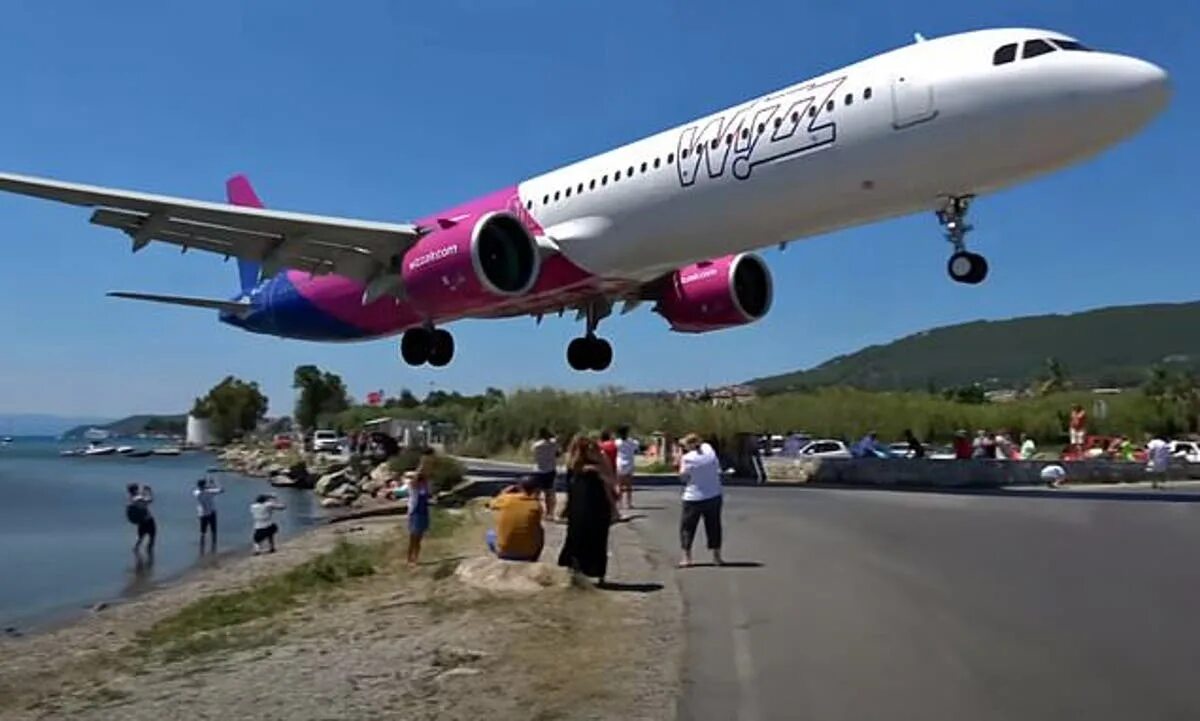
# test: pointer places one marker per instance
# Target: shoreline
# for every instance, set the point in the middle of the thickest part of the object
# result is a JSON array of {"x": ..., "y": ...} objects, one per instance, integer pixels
[{"x": 392, "y": 642}]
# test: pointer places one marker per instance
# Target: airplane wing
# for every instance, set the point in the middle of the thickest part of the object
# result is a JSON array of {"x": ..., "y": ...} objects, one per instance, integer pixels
[
  {"x": 359, "y": 249},
  {"x": 225, "y": 306}
]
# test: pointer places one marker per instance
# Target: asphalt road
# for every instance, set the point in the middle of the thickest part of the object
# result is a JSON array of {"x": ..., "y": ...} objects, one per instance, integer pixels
[{"x": 905, "y": 605}]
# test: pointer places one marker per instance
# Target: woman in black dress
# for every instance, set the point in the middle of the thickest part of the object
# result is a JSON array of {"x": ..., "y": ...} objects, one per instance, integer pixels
[{"x": 590, "y": 509}]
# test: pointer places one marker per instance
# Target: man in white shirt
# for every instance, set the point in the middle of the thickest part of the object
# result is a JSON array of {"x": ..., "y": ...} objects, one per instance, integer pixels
[
  {"x": 700, "y": 471},
  {"x": 627, "y": 449},
  {"x": 206, "y": 510},
  {"x": 261, "y": 511},
  {"x": 1158, "y": 458},
  {"x": 545, "y": 459}
]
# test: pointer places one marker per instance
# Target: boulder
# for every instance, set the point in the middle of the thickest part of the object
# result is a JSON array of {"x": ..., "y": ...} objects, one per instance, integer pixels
[
  {"x": 328, "y": 482},
  {"x": 346, "y": 490},
  {"x": 383, "y": 473},
  {"x": 490, "y": 573},
  {"x": 283, "y": 481},
  {"x": 371, "y": 486},
  {"x": 331, "y": 503}
]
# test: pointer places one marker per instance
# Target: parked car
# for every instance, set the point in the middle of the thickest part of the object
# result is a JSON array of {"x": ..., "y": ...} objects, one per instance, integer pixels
[
  {"x": 1187, "y": 450},
  {"x": 326, "y": 441},
  {"x": 825, "y": 448},
  {"x": 281, "y": 441}
]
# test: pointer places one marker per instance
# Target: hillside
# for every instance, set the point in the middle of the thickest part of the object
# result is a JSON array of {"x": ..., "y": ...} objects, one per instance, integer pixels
[
  {"x": 133, "y": 425},
  {"x": 1105, "y": 347},
  {"x": 41, "y": 424}
]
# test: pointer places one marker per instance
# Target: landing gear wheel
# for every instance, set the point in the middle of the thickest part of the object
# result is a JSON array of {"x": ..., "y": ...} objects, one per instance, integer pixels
[
  {"x": 968, "y": 268},
  {"x": 441, "y": 348},
  {"x": 415, "y": 346},
  {"x": 579, "y": 354},
  {"x": 602, "y": 354},
  {"x": 589, "y": 354}
]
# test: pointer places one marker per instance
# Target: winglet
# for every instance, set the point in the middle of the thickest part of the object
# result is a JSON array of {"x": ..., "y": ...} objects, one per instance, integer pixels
[{"x": 239, "y": 192}]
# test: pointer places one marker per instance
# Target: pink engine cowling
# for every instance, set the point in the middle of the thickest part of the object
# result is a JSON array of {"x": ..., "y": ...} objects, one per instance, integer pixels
[
  {"x": 721, "y": 293},
  {"x": 466, "y": 265}
]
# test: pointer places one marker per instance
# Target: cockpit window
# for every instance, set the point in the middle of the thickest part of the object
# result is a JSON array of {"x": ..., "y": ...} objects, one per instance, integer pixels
[
  {"x": 1005, "y": 54},
  {"x": 1034, "y": 48},
  {"x": 1070, "y": 45}
]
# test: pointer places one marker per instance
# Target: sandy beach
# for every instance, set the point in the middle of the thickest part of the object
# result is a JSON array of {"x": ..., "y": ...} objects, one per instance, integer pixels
[{"x": 302, "y": 634}]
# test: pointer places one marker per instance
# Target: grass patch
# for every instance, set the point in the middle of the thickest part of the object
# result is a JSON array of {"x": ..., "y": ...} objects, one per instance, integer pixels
[{"x": 211, "y": 624}]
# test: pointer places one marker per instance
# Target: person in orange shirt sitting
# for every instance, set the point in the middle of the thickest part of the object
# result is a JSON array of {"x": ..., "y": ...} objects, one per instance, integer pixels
[{"x": 518, "y": 535}]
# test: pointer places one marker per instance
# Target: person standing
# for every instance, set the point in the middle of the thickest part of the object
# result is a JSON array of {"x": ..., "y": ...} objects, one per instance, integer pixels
[
  {"x": 137, "y": 512},
  {"x": 609, "y": 448},
  {"x": 1077, "y": 426},
  {"x": 627, "y": 449},
  {"x": 590, "y": 510},
  {"x": 262, "y": 512},
  {"x": 962, "y": 446},
  {"x": 545, "y": 459},
  {"x": 700, "y": 472},
  {"x": 915, "y": 449},
  {"x": 1158, "y": 458},
  {"x": 418, "y": 507},
  {"x": 1028, "y": 448},
  {"x": 206, "y": 510}
]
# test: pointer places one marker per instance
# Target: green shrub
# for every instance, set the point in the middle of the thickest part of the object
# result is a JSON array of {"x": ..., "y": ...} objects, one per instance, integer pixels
[{"x": 444, "y": 472}]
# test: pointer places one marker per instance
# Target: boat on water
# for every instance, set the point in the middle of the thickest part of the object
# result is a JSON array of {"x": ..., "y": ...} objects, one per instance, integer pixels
[
  {"x": 95, "y": 449},
  {"x": 96, "y": 434},
  {"x": 70, "y": 452},
  {"x": 167, "y": 451},
  {"x": 125, "y": 450},
  {"x": 145, "y": 453}
]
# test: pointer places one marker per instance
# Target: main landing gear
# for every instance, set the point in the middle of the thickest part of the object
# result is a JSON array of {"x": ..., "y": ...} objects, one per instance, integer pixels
[
  {"x": 590, "y": 353},
  {"x": 427, "y": 345},
  {"x": 963, "y": 266}
]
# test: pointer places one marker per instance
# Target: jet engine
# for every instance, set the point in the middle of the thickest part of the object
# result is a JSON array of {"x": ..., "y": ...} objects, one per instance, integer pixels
[
  {"x": 715, "y": 294},
  {"x": 465, "y": 265}
]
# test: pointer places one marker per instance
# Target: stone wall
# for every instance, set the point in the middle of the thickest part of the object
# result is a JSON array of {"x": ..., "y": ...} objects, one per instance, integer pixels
[{"x": 914, "y": 473}]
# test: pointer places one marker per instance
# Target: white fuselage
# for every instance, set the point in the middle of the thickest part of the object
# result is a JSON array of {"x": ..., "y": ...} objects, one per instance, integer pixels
[{"x": 891, "y": 135}]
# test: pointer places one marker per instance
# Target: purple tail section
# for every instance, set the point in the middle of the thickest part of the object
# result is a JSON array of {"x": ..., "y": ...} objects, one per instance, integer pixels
[{"x": 238, "y": 191}]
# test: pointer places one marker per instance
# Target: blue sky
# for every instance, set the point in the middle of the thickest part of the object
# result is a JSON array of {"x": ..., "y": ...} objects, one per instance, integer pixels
[{"x": 387, "y": 111}]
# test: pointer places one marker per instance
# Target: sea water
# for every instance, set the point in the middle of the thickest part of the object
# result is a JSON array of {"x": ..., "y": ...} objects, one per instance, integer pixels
[{"x": 66, "y": 545}]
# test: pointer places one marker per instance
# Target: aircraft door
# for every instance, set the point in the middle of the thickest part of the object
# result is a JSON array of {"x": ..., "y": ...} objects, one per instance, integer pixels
[{"x": 912, "y": 100}]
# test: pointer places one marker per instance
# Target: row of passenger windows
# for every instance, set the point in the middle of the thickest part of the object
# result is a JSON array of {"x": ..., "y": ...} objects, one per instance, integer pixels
[
  {"x": 1034, "y": 48},
  {"x": 683, "y": 154}
]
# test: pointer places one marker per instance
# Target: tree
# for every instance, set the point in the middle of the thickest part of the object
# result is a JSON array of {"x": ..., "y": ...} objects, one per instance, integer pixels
[
  {"x": 322, "y": 394},
  {"x": 1055, "y": 379},
  {"x": 232, "y": 407},
  {"x": 408, "y": 400}
]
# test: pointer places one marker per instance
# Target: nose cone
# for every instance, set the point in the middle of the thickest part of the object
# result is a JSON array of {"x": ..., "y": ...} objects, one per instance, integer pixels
[{"x": 1141, "y": 84}]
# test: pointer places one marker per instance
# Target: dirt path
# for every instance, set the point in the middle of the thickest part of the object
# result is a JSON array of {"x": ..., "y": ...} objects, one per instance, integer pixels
[{"x": 395, "y": 643}]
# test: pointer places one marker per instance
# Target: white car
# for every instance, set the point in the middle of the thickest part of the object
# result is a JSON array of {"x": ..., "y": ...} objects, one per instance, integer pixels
[
  {"x": 326, "y": 441},
  {"x": 826, "y": 448},
  {"x": 1188, "y": 450}
]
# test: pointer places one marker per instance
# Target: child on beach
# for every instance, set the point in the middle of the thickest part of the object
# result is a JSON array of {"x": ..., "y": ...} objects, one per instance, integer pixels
[
  {"x": 418, "y": 507},
  {"x": 261, "y": 511},
  {"x": 137, "y": 512}
]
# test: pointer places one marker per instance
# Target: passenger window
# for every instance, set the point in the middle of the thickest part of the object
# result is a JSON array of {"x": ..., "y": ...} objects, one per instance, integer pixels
[
  {"x": 1005, "y": 54},
  {"x": 670, "y": 158},
  {"x": 829, "y": 106},
  {"x": 716, "y": 142},
  {"x": 630, "y": 173},
  {"x": 568, "y": 192},
  {"x": 643, "y": 167},
  {"x": 849, "y": 99},
  {"x": 795, "y": 117},
  {"x": 729, "y": 139},
  {"x": 656, "y": 163},
  {"x": 604, "y": 180},
  {"x": 1034, "y": 48},
  {"x": 616, "y": 176},
  {"x": 556, "y": 195},
  {"x": 592, "y": 185},
  {"x": 528, "y": 205},
  {"x": 812, "y": 111},
  {"x": 745, "y": 133},
  {"x": 761, "y": 128},
  {"x": 545, "y": 199},
  {"x": 867, "y": 94},
  {"x": 682, "y": 155},
  {"x": 778, "y": 122},
  {"x": 580, "y": 188}
]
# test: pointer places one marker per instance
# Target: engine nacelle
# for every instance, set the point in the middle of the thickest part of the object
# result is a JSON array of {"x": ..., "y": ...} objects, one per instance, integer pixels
[
  {"x": 465, "y": 265},
  {"x": 722, "y": 293}
]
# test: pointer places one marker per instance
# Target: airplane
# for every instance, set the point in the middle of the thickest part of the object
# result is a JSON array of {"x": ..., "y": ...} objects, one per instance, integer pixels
[{"x": 672, "y": 219}]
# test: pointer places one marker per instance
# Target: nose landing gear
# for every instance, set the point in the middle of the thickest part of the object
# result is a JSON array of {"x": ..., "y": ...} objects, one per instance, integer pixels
[
  {"x": 427, "y": 345},
  {"x": 963, "y": 266}
]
